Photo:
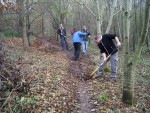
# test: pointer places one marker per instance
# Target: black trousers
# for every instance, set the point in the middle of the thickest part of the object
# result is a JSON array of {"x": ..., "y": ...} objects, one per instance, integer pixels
[{"x": 77, "y": 46}]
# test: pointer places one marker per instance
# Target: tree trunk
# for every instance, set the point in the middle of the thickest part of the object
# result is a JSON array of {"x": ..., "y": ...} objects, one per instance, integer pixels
[
  {"x": 24, "y": 30},
  {"x": 130, "y": 66},
  {"x": 28, "y": 21},
  {"x": 43, "y": 28},
  {"x": 19, "y": 24},
  {"x": 111, "y": 16},
  {"x": 99, "y": 19},
  {"x": 127, "y": 86}
]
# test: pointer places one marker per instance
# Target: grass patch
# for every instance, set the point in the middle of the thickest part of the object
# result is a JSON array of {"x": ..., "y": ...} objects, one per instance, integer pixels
[
  {"x": 146, "y": 76},
  {"x": 10, "y": 34},
  {"x": 104, "y": 96}
]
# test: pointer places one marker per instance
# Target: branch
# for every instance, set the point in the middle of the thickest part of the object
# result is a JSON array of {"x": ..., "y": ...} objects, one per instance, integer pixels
[
  {"x": 117, "y": 12},
  {"x": 86, "y": 7}
]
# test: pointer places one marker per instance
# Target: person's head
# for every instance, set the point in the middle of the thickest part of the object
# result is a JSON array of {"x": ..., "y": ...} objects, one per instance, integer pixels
[
  {"x": 61, "y": 26},
  {"x": 74, "y": 29},
  {"x": 84, "y": 28},
  {"x": 97, "y": 39}
]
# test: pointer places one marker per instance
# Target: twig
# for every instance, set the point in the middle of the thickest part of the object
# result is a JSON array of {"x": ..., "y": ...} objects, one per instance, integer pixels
[
  {"x": 8, "y": 72},
  {"x": 7, "y": 99}
]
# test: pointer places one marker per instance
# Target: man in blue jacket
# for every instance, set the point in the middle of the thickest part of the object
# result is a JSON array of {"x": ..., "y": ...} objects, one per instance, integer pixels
[{"x": 77, "y": 41}]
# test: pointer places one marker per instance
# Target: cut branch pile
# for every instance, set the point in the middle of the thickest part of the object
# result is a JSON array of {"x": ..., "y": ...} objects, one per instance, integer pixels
[{"x": 12, "y": 82}]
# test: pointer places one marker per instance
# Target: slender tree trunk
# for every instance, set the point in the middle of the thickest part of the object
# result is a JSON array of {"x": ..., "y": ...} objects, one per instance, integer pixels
[
  {"x": 99, "y": 19},
  {"x": 144, "y": 32},
  {"x": 119, "y": 26},
  {"x": 28, "y": 21},
  {"x": 127, "y": 87},
  {"x": 111, "y": 16},
  {"x": 135, "y": 30},
  {"x": 43, "y": 28},
  {"x": 147, "y": 42},
  {"x": 23, "y": 21},
  {"x": 130, "y": 66},
  {"x": 19, "y": 24},
  {"x": 80, "y": 23}
]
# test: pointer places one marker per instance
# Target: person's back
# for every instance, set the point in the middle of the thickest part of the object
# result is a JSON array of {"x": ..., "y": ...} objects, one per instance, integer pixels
[
  {"x": 77, "y": 40},
  {"x": 107, "y": 44},
  {"x": 77, "y": 37}
]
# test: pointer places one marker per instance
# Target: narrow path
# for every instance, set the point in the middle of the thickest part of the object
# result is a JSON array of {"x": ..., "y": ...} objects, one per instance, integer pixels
[
  {"x": 85, "y": 106},
  {"x": 79, "y": 70}
]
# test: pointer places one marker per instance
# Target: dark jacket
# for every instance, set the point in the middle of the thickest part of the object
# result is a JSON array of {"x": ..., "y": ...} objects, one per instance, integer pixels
[
  {"x": 85, "y": 38},
  {"x": 107, "y": 44},
  {"x": 62, "y": 32}
]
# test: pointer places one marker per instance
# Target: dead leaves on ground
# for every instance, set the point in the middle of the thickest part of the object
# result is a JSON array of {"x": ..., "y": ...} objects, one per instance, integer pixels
[{"x": 53, "y": 85}]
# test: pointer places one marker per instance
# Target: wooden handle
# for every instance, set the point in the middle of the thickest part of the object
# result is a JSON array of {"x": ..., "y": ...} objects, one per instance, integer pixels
[{"x": 100, "y": 65}]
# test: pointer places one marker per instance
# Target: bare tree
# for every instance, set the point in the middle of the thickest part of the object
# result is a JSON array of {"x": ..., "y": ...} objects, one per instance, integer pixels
[
  {"x": 130, "y": 64},
  {"x": 23, "y": 22},
  {"x": 114, "y": 4}
]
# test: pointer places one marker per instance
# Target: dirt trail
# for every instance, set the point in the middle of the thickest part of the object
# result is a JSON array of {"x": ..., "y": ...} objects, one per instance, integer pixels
[
  {"x": 80, "y": 69},
  {"x": 85, "y": 106}
]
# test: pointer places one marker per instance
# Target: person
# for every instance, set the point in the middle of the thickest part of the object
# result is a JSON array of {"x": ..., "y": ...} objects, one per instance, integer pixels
[
  {"x": 73, "y": 31},
  {"x": 63, "y": 37},
  {"x": 107, "y": 47},
  {"x": 77, "y": 40},
  {"x": 85, "y": 40}
]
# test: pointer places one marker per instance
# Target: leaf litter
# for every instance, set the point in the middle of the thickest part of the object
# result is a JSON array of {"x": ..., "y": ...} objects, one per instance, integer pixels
[{"x": 53, "y": 83}]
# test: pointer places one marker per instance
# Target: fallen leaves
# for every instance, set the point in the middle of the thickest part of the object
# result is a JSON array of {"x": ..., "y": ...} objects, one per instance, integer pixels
[{"x": 56, "y": 84}]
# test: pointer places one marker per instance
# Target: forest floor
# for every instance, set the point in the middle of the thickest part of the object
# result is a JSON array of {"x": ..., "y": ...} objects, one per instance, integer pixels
[{"x": 45, "y": 79}]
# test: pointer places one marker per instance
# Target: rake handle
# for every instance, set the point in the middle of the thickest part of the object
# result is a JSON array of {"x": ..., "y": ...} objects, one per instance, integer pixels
[{"x": 100, "y": 65}]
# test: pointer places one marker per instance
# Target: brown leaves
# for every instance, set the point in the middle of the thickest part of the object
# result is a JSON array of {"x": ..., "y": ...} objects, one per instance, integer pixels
[{"x": 55, "y": 84}]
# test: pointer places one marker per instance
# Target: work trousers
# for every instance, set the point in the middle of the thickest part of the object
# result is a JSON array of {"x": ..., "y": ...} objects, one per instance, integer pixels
[
  {"x": 114, "y": 64},
  {"x": 64, "y": 42},
  {"x": 84, "y": 47},
  {"x": 77, "y": 46}
]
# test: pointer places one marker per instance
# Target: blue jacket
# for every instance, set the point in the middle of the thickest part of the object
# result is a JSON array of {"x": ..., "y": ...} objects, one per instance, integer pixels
[{"x": 77, "y": 37}]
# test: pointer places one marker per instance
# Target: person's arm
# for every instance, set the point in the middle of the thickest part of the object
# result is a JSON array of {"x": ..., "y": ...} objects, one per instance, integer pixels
[
  {"x": 104, "y": 56},
  {"x": 64, "y": 32},
  {"x": 82, "y": 33},
  {"x": 88, "y": 33},
  {"x": 117, "y": 41}
]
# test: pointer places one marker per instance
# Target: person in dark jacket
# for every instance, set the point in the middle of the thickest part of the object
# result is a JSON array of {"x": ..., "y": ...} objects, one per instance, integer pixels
[
  {"x": 77, "y": 41},
  {"x": 85, "y": 40},
  {"x": 63, "y": 37},
  {"x": 107, "y": 47}
]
